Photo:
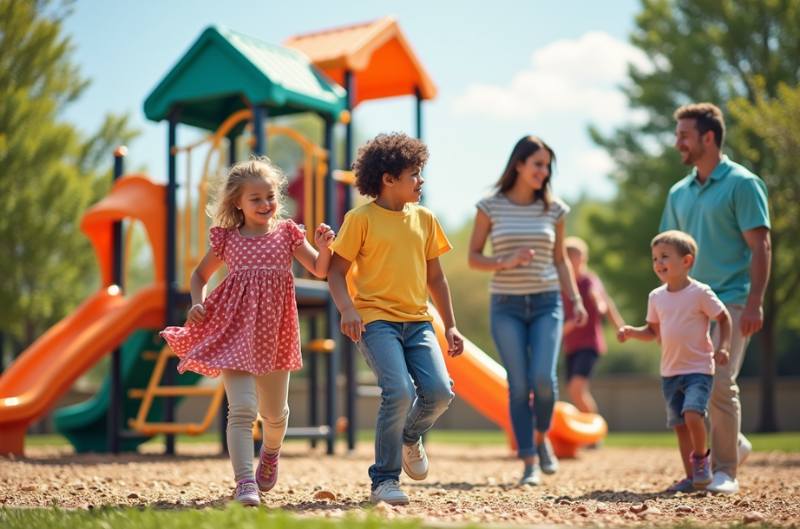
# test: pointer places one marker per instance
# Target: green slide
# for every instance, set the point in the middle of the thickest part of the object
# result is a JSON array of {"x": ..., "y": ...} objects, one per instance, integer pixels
[{"x": 84, "y": 424}]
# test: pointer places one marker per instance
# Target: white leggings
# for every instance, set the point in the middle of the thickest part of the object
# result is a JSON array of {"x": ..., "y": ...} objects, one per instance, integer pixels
[{"x": 247, "y": 394}]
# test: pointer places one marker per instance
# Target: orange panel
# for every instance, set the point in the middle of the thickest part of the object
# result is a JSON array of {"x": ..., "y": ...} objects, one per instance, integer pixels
[
  {"x": 377, "y": 53},
  {"x": 135, "y": 197}
]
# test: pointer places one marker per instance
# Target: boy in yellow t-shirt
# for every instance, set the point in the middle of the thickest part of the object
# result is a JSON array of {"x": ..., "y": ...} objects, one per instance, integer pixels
[{"x": 393, "y": 246}]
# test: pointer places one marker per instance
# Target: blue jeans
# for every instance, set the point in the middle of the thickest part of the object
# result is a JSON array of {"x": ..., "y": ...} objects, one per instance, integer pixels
[
  {"x": 415, "y": 388},
  {"x": 527, "y": 333},
  {"x": 684, "y": 393}
]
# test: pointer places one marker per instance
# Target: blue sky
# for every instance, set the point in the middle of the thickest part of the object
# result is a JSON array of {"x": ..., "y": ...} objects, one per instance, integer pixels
[{"x": 503, "y": 69}]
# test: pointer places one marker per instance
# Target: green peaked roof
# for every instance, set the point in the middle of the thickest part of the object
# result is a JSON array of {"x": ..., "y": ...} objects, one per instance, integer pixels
[{"x": 224, "y": 71}]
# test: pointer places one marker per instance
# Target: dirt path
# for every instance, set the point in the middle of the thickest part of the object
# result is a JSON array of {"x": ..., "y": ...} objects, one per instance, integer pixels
[{"x": 607, "y": 487}]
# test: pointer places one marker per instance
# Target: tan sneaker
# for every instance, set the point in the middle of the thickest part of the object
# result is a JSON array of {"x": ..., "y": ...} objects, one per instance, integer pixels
[{"x": 415, "y": 460}]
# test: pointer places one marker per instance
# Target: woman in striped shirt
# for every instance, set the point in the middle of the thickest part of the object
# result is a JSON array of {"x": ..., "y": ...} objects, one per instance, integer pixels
[{"x": 525, "y": 224}]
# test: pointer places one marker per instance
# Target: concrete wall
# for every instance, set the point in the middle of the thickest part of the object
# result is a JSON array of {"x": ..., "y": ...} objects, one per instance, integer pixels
[{"x": 628, "y": 403}]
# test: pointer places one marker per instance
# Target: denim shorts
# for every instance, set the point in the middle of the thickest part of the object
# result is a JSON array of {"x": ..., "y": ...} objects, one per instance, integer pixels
[{"x": 684, "y": 393}]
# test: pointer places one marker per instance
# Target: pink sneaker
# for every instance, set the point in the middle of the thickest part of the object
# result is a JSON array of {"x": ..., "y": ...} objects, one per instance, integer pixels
[{"x": 267, "y": 470}]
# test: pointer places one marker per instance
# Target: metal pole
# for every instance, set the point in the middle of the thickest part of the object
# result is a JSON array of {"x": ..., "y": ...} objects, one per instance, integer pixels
[
  {"x": 115, "y": 405},
  {"x": 418, "y": 111},
  {"x": 172, "y": 273},
  {"x": 259, "y": 131},
  {"x": 313, "y": 380},
  {"x": 223, "y": 409},
  {"x": 332, "y": 313},
  {"x": 348, "y": 352}
]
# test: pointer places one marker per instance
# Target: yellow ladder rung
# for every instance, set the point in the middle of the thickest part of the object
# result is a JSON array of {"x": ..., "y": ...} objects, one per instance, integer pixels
[
  {"x": 154, "y": 428},
  {"x": 174, "y": 391},
  {"x": 321, "y": 345},
  {"x": 150, "y": 355}
]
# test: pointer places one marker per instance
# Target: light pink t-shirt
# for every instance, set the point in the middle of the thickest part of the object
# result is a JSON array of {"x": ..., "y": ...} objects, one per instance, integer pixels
[{"x": 683, "y": 317}]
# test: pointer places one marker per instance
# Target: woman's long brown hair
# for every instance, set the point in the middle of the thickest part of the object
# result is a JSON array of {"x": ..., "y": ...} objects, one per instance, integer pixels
[{"x": 524, "y": 148}]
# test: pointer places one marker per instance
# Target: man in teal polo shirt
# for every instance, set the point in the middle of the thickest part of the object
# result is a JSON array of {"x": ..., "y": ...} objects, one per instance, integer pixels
[{"x": 724, "y": 207}]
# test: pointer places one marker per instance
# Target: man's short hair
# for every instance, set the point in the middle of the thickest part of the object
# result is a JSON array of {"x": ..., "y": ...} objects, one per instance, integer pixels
[
  {"x": 707, "y": 116},
  {"x": 681, "y": 241}
]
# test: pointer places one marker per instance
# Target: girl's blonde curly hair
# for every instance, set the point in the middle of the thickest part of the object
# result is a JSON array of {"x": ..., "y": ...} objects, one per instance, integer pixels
[{"x": 224, "y": 209}]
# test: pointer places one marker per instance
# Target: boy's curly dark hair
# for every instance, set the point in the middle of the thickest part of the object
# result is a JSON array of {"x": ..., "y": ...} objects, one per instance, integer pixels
[{"x": 386, "y": 153}]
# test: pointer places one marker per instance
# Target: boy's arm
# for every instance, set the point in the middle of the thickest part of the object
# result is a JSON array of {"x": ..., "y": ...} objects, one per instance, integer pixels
[
  {"x": 350, "y": 324},
  {"x": 613, "y": 314},
  {"x": 645, "y": 333},
  {"x": 722, "y": 354},
  {"x": 440, "y": 292}
]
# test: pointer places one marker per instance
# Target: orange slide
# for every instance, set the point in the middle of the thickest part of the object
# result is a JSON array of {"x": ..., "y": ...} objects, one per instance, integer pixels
[
  {"x": 44, "y": 371},
  {"x": 481, "y": 382}
]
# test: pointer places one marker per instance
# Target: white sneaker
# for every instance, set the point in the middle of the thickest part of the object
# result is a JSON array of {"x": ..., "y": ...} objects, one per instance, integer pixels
[
  {"x": 744, "y": 448},
  {"x": 723, "y": 484},
  {"x": 390, "y": 492},
  {"x": 415, "y": 460}
]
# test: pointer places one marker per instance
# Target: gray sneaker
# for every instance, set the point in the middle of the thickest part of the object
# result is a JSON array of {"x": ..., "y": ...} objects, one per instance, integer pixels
[
  {"x": 547, "y": 458},
  {"x": 247, "y": 493},
  {"x": 390, "y": 492},
  {"x": 701, "y": 470},
  {"x": 415, "y": 461},
  {"x": 530, "y": 476}
]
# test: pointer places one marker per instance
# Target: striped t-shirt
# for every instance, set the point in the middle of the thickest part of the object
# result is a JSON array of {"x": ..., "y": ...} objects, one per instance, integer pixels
[{"x": 515, "y": 227}]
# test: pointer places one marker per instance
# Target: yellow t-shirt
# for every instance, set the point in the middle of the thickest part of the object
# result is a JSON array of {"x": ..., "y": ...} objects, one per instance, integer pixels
[{"x": 389, "y": 251}]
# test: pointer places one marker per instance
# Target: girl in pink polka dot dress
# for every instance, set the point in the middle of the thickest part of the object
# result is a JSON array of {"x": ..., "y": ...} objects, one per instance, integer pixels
[{"x": 247, "y": 329}]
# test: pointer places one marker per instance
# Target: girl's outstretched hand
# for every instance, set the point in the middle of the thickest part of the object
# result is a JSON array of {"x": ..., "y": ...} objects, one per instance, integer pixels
[
  {"x": 323, "y": 236},
  {"x": 196, "y": 314},
  {"x": 455, "y": 342}
]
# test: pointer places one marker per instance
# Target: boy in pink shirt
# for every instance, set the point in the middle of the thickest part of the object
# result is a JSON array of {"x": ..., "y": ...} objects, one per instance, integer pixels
[{"x": 678, "y": 315}]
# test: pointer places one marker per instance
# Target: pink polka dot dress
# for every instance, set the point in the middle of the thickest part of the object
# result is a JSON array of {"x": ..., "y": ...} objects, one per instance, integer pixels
[{"x": 251, "y": 321}]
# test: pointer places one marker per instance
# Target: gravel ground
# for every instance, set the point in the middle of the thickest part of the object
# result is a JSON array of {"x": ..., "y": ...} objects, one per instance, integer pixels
[{"x": 606, "y": 487}]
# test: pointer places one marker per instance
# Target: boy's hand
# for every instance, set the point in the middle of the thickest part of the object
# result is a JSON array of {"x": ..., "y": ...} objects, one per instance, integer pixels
[
  {"x": 721, "y": 356},
  {"x": 624, "y": 332},
  {"x": 521, "y": 257},
  {"x": 455, "y": 342},
  {"x": 196, "y": 314},
  {"x": 323, "y": 236},
  {"x": 351, "y": 325}
]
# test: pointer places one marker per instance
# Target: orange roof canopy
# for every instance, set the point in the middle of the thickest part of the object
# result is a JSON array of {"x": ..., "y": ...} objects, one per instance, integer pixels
[{"x": 378, "y": 55}]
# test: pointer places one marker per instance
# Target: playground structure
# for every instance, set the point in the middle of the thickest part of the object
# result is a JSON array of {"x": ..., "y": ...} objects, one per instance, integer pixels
[{"x": 233, "y": 86}]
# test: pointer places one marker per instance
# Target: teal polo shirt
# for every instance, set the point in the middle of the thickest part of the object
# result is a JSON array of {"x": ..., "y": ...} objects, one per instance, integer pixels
[{"x": 732, "y": 200}]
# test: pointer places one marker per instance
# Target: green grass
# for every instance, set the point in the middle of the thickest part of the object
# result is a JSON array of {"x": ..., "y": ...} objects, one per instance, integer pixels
[
  {"x": 782, "y": 442},
  {"x": 231, "y": 516}
]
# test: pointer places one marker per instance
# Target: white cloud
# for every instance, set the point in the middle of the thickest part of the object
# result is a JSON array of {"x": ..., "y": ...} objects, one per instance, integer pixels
[
  {"x": 579, "y": 77},
  {"x": 594, "y": 161}
]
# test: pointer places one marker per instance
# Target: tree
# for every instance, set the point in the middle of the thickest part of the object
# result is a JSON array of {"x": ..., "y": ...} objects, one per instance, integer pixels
[
  {"x": 50, "y": 173},
  {"x": 700, "y": 50},
  {"x": 774, "y": 124}
]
